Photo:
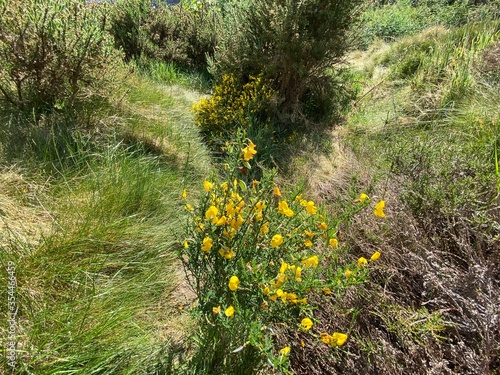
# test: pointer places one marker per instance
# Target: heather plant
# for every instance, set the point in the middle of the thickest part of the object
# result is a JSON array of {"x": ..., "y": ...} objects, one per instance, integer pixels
[
  {"x": 52, "y": 54},
  {"x": 254, "y": 256}
]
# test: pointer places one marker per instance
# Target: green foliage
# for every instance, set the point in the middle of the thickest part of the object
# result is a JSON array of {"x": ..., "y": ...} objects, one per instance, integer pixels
[
  {"x": 260, "y": 260},
  {"x": 292, "y": 43},
  {"x": 390, "y": 20},
  {"x": 52, "y": 54},
  {"x": 93, "y": 264},
  {"x": 441, "y": 59},
  {"x": 177, "y": 34},
  {"x": 127, "y": 20},
  {"x": 233, "y": 106},
  {"x": 394, "y": 20}
]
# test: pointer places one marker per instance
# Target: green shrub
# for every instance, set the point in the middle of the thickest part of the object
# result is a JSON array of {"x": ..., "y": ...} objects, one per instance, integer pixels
[
  {"x": 291, "y": 43},
  {"x": 127, "y": 20},
  {"x": 261, "y": 262},
  {"x": 178, "y": 34},
  {"x": 181, "y": 35},
  {"x": 234, "y": 106},
  {"x": 52, "y": 53}
]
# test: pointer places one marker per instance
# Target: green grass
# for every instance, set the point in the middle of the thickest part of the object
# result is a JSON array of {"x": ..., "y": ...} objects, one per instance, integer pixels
[
  {"x": 424, "y": 137},
  {"x": 98, "y": 281},
  {"x": 90, "y": 214}
]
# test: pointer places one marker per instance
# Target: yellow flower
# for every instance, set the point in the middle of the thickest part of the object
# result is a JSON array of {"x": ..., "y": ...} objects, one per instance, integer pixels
[
  {"x": 375, "y": 256},
  {"x": 348, "y": 273},
  {"x": 285, "y": 350},
  {"x": 326, "y": 291},
  {"x": 207, "y": 185},
  {"x": 334, "y": 243},
  {"x": 323, "y": 226},
  {"x": 229, "y": 312},
  {"x": 229, "y": 233},
  {"x": 249, "y": 151},
  {"x": 311, "y": 262},
  {"x": 230, "y": 209},
  {"x": 379, "y": 209},
  {"x": 207, "y": 244},
  {"x": 184, "y": 194},
  {"x": 236, "y": 222},
  {"x": 188, "y": 207},
  {"x": 259, "y": 206},
  {"x": 216, "y": 310},
  {"x": 280, "y": 279},
  {"x": 308, "y": 243},
  {"x": 311, "y": 208},
  {"x": 284, "y": 267},
  {"x": 279, "y": 292},
  {"x": 284, "y": 296},
  {"x": 298, "y": 272},
  {"x": 277, "y": 240},
  {"x": 306, "y": 324},
  {"x": 227, "y": 253},
  {"x": 362, "y": 261},
  {"x": 212, "y": 213},
  {"x": 221, "y": 221},
  {"x": 264, "y": 229},
  {"x": 339, "y": 338},
  {"x": 363, "y": 197},
  {"x": 186, "y": 244},
  {"x": 266, "y": 290},
  {"x": 234, "y": 283},
  {"x": 224, "y": 186},
  {"x": 284, "y": 209},
  {"x": 326, "y": 338},
  {"x": 276, "y": 191},
  {"x": 292, "y": 297},
  {"x": 308, "y": 233}
]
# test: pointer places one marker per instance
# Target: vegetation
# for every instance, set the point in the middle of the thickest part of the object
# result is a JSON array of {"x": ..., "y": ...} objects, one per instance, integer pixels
[
  {"x": 292, "y": 44},
  {"x": 54, "y": 54},
  {"x": 210, "y": 188}
]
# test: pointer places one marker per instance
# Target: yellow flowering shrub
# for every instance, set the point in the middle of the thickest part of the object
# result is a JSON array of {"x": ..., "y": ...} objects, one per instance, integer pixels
[
  {"x": 233, "y": 105},
  {"x": 255, "y": 256}
]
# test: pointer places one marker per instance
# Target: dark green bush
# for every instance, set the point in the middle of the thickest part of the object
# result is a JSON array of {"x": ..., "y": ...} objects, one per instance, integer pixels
[
  {"x": 291, "y": 43},
  {"x": 179, "y": 34},
  {"x": 127, "y": 20},
  {"x": 52, "y": 54}
]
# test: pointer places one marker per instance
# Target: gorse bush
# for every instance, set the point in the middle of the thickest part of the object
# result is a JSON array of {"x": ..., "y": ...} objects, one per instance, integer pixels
[
  {"x": 291, "y": 43},
  {"x": 127, "y": 20},
  {"x": 52, "y": 53},
  {"x": 255, "y": 256},
  {"x": 233, "y": 106},
  {"x": 180, "y": 34}
]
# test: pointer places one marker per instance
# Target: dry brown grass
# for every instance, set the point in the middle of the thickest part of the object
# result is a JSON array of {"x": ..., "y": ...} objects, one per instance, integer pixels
[
  {"x": 433, "y": 300},
  {"x": 23, "y": 217}
]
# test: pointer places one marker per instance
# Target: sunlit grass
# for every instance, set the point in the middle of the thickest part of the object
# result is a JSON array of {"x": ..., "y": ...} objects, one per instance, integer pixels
[{"x": 98, "y": 285}]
